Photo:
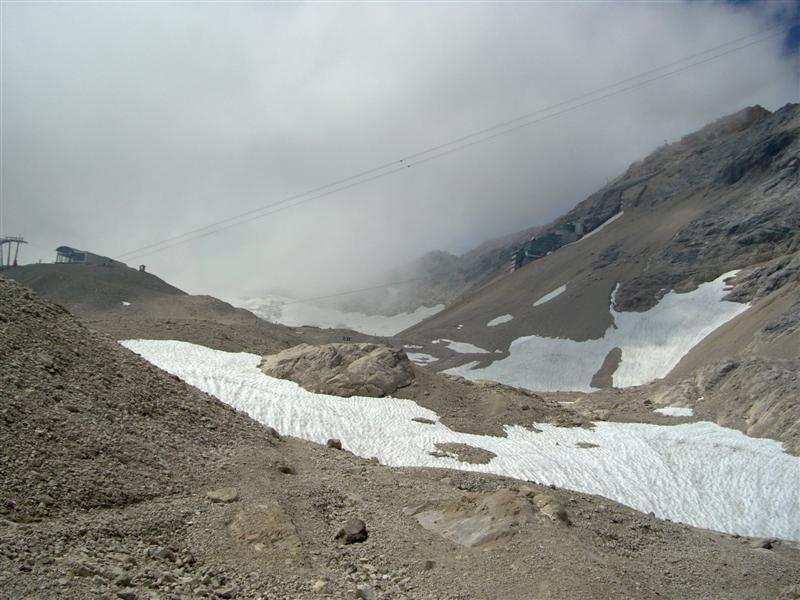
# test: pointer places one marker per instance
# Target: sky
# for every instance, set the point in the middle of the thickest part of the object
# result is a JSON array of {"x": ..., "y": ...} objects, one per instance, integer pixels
[{"x": 125, "y": 123}]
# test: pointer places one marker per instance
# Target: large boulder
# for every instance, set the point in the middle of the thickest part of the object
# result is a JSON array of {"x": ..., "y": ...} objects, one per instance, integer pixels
[{"x": 342, "y": 369}]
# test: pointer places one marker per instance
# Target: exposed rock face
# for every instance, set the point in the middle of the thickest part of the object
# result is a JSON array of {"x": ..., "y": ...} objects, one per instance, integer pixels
[
  {"x": 479, "y": 519},
  {"x": 342, "y": 369}
]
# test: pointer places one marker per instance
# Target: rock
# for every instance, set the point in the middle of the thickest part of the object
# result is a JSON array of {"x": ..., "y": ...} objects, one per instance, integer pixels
[
  {"x": 227, "y": 592},
  {"x": 342, "y": 369},
  {"x": 334, "y": 443},
  {"x": 765, "y": 543},
  {"x": 477, "y": 519},
  {"x": 321, "y": 587},
  {"x": 266, "y": 528},
  {"x": 127, "y": 594},
  {"x": 366, "y": 592},
  {"x": 463, "y": 452},
  {"x": 161, "y": 553},
  {"x": 82, "y": 570},
  {"x": 427, "y": 565},
  {"x": 355, "y": 530},
  {"x": 224, "y": 494},
  {"x": 551, "y": 507},
  {"x": 423, "y": 420}
]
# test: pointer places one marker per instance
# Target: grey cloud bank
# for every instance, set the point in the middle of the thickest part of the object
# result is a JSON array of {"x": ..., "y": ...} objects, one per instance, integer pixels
[{"x": 124, "y": 124}]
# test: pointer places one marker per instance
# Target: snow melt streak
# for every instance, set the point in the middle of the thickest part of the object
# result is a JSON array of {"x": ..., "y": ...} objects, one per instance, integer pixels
[
  {"x": 652, "y": 343},
  {"x": 500, "y": 320},
  {"x": 698, "y": 473},
  {"x": 549, "y": 296}
]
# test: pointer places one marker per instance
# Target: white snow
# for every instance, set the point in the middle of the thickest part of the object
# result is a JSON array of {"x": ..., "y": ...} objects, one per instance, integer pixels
[
  {"x": 461, "y": 347},
  {"x": 413, "y": 347},
  {"x": 652, "y": 343},
  {"x": 295, "y": 314},
  {"x": 421, "y": 358},
  {"x": 125, "y": 303},
  {"x": 499, "y": 320},
  {"x": 675, "y": 411},
  {"x": 549, "y": 296},
  {"x": 698, "y": 473}
]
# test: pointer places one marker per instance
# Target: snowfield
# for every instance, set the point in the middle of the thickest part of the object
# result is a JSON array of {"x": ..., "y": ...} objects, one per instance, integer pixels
[
  {"x": 652, "y": 343},
  {"x": 675, "y": 411},
  {"x": 296, "y": 314},
  {"x": 697, "y": 473},
  {"x": 461, "y": 347},
  {"x": 421, "y": 358},
  {"x": 549, "y": 296},
  {"x": 500, "y": 320}
]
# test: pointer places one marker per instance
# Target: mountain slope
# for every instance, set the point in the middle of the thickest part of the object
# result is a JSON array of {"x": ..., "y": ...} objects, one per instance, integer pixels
[
  {"x": 722, "y": 199},
  {"x": 120, "y": 481}
]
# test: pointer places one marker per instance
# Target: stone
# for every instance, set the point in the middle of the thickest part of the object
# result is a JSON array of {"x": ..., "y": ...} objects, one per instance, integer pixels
[
  {"x": 321, "y": 587},
  {"x": 127, "y": 594},
  {"x": 334, "y": 443},
  {"x": 345, "y": 370},
  {"x": 354, "y": 531},
  {"x": 366, "y": 592},
  {"x": 266, "y": 527},
  {"x": 224, "y": 494}
]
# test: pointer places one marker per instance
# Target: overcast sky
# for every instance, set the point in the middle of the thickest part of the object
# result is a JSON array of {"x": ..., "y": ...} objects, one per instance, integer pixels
[{"x": 123, "y": 124}]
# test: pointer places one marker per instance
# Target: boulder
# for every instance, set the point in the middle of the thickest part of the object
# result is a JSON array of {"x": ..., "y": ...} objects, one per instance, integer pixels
[
  {"x": 342, "y": 369},
  {"x": 355, "y": 530},
  {"x": 224, "y": 494}
]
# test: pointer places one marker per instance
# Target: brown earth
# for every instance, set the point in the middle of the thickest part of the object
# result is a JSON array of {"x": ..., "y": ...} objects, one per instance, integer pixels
[{"x": 108, "y": 464}]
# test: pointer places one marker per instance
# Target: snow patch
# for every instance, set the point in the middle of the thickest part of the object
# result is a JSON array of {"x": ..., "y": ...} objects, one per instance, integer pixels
[
  {"x": 675, "y": 411},
  {"x": 461, "y": 347},
  {"x": 697, "y": 473},
  {"x": 421, "y": 358},
  {"x": 295, "y": 314},
  {"x": 652, "y": 343},
  {"x": 547, "y": 297},
  {"x": 125, "y": 303},
  {"x": 499, "y": 320}
]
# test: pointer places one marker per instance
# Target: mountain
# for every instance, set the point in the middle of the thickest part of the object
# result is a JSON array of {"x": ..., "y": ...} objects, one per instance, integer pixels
[
  {"x": 700, "y": 237},
  {"x": 124, "y": 302}
]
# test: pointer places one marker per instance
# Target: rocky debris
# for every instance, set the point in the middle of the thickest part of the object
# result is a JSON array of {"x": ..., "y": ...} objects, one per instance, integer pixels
[
  {"x": 224, "y": 494},
  {"x": 423, "y": 420},
  {"x": 87, "y": 423},
  {"x": 175, "y": 543},
  {"x": 483, "y": 407},
  {"x": 464, "y": 453},
  {"x": 586, "y": 445},
  {"x": 342, "y": 369},
  {"x": 352, "y": 532}
]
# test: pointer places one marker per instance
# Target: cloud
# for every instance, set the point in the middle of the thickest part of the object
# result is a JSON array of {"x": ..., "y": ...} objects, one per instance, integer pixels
[{"x": 126, "y": 124}]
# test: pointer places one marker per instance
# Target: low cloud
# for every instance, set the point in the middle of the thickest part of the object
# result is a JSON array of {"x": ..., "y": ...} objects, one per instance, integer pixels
[{"x": 124, "y": 124}]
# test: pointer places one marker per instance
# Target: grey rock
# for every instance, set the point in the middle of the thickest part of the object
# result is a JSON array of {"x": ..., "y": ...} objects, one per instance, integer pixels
[
  {"x": 224, "y": 494},
  {"x": 354, "y": 531},
  {"x": 342, "y": 369}
]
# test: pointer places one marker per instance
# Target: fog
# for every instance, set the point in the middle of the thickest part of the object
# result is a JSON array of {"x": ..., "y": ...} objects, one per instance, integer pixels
[{"x": 124, "y": 124}]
